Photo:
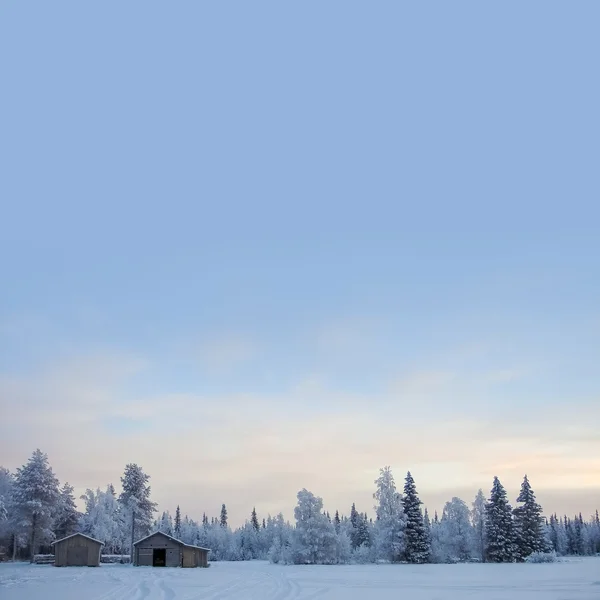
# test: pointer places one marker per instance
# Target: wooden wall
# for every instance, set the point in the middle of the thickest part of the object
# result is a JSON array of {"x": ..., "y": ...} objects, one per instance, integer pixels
[
  {"x": 77, "y": 551},
  {"x": 145, "y": 550}
]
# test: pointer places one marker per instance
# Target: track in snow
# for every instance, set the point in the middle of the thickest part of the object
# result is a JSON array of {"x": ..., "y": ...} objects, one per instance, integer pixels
[{"x": 574, "y": 579}]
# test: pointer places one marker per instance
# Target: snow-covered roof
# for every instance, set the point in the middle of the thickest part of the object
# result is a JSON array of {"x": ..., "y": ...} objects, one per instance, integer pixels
[
  {"x": 76, "y": 534},
  {"x": 173, "y": 539}
]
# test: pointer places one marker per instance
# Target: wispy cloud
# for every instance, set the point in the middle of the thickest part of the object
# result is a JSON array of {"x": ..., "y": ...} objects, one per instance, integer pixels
[{"x": 206, "y": 449}]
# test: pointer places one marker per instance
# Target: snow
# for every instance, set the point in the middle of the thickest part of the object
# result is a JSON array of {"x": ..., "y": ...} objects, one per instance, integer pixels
[{"x": 575, "y": 579}]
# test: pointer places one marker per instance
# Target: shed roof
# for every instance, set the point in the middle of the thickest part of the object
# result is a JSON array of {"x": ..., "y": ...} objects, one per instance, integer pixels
[
  {"x": 75, "y": 535},
  {"x": 173, "y": 539}
]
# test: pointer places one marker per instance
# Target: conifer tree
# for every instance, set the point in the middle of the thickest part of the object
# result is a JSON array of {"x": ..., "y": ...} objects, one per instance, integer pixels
[
  {"x": 578, "y": 539},
  {"x": 35, "y": 494},
  {"x": 417, "y": 543},
  {"x": 264, "y": 523},
  {"x": 67, "y": 517},
  {"x": 254, "y": 519},
  {"x": 135, "y": 501},
  {"x": 499, "y": 526},
  {"x": 177, "y": 525},
  {"x": 336, "y": 521},
  {"x": 427, "y": 526},
  {"x": 528, "y": 523},
  {"x": 362, "y": 534},
  {"x": 223, "y": 520},
  {"x": 354, "y": 515}
]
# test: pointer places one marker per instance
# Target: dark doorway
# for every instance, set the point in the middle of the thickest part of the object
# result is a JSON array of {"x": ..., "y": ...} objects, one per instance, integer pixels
[{"x": 159, "y": 557}]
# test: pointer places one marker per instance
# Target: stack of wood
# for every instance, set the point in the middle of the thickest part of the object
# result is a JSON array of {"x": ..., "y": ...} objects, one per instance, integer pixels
[{"x": 43, "y": 559}]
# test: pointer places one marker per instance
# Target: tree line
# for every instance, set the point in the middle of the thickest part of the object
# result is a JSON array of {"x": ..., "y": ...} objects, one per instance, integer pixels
[{"x": 35, "y": 510}]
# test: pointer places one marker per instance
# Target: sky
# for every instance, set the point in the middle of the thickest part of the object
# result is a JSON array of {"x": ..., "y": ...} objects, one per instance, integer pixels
[{"x": 261, "y": 246}]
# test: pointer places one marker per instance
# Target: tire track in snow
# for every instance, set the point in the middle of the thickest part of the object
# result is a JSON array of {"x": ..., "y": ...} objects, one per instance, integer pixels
[
  {"x": 167, "y": 591},
  {"x": 285, "y": 588},
  {"x": 142, "y": 591},
  {"x": 220, "y": 593}
]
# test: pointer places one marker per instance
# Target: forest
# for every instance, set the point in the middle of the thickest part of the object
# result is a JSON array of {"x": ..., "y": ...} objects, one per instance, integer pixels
[{"x": 35, "y": 510}]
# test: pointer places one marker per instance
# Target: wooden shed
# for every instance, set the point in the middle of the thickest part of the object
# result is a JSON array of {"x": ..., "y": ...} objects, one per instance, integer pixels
[
  {"x": 77, "y": 550},
  {"x": 162, "y": 550}
]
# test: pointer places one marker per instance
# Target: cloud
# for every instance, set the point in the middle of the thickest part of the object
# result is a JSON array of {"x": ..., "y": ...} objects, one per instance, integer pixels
[
  {"x": 255, "y": 448},
  {"x": 220, "y": 355}
]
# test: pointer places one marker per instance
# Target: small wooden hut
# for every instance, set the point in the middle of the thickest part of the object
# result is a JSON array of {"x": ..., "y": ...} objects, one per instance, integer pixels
[
  {"x": 77, "y": 550},
  {"x": 162, "y": 550}
]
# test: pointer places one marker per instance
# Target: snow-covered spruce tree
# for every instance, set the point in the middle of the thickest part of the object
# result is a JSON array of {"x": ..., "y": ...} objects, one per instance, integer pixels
[
  {"x": 391, "y": 520},
  {"x": 177, "y": 524},
  {"x": 314, "y": 540},
  {"x": 553, "y": 533},
  {"x": 596, "y": 534},
  {"x": 135, "y": 502},
  {"x": 362, "y": 533},
  {"x": 354, "y": 515},
  {"x": 35, "y": 496},
  {"x": 223, "y": 517},
  {"x": 528, "y": 523},
  {"x": 478, "y": 521},
  {"x": 336, "y": 521},
  {"x": 66, "y": 519},
  {"x": 456, "y": 532},
  {"x": 578, "y": 529},
  {"x": 254, "y": 519},
  {"x": 416, "y": 549},
  {"x": 500, "y": 546}
]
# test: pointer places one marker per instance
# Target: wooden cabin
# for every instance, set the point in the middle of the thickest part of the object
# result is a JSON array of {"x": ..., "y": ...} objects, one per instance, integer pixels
[
  {"x": 77, "y": 550},
  {"x": 162, "y": 550}
]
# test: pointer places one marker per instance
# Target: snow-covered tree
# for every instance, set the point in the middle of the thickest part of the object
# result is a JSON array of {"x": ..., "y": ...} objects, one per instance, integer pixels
[
  {"x": 177, "y": 526},
  {"x": 254, "y": 519},
  {"x": 336, "y": 521},
  {"x": 557, "y": 536},
  {"x": 35, "y": 496},
  {"x": 391, "y": 520},
  {"x": 595, "y": 534},
  {"x": 416, "y": 547},
  {"x": 499, "y": 533},
  {"x": 66, "y": 519},
  {"x": 6, "y": 491},
  {"x": 104, "y": 521},
  {"x": 189, "y": 531},
  {"x": 478, "y": 522},
  {"x": 456, "y": 532},
  {"x": 223, "y": 519},
  {"x": 135, "y": 501},
  {"x": 354, "y": 516},
  {"x": 280, "y": 551},
  {"x": 165, "y": 524},
  {"x": 528, "y": 523},
  {"x": 314, "y": 540},
  {"x": 362, "y": 533}
]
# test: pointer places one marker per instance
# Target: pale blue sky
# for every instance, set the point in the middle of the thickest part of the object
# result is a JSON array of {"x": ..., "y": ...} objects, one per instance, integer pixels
[{"x": 304, "y": 228}]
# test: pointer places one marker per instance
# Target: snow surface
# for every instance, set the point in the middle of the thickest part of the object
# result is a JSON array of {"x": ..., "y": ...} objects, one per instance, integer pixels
[{"x": 570, "y": 580}]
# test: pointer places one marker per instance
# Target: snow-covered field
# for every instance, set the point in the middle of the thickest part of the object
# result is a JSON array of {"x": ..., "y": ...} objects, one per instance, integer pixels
[{"x": 571, "y": 580}]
